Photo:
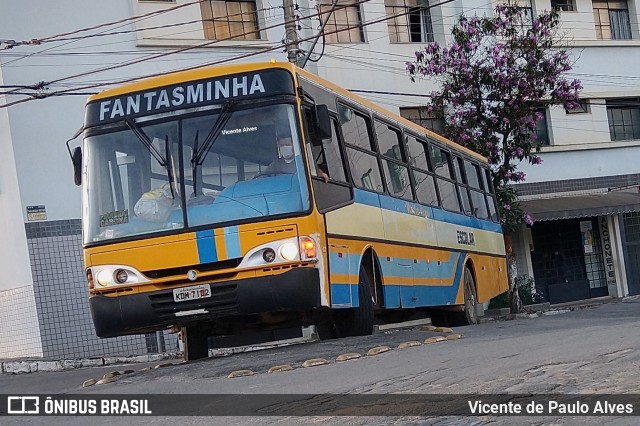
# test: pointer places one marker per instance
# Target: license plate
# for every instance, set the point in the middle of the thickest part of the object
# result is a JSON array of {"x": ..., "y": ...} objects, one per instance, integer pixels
[{"x": 185, "y": 294}]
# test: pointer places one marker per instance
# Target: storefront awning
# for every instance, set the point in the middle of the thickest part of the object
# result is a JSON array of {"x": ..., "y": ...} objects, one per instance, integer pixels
[{"x": 583, "y": 205}]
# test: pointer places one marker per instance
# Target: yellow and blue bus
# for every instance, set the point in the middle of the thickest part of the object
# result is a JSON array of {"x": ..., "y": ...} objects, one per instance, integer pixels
[{"x": 189, "y": 222}]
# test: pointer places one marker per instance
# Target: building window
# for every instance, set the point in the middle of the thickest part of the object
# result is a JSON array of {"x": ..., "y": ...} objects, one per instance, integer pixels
[
  {"x": 527, "y": 15},
  {"x": 230, "y": 19},
  {"x": 582, "y": 107},
  {"x": 612, "y": 19},
  {"x": 345, "y": 23},
  {"x": 409, "y": 22},
  {"x": 563, "y": 5},
  {"x": 421, "y": 117},
  {"x": 624, "y": 118},
  {"x": 542, "y": 128}
]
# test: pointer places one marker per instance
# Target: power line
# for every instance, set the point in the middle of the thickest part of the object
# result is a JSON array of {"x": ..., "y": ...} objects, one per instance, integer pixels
[
  {"x": 360, "y": 25},
  {"x": 58, "y": 37}
]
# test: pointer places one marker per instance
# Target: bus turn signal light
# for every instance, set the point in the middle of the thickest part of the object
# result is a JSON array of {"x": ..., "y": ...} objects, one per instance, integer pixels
[{"x": 308, "y": 248}]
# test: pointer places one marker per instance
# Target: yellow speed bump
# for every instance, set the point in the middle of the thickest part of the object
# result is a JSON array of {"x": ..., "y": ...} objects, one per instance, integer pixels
[
  {"x": 127, "y": 372},
  {"x": 111, "y": 374},
  {"x": 166, "y": 364},
  {"x": 409, "y": 344},
  {"x": 314, "y": 361},
  {"x": 378, "y": 350},
  {"x": 103, "y": 381},
  {"x": 89, "y": 382},
  {"x": 455, "y": 336},
  {"x": 348, "y": 356},
  {"x": 279, "y": 368},
  {"x": 443, "y": 330},
  {"x": 428, "y": 328},
  {"x": 240, "y": 373},
  {"x": 435, "y": 339}
]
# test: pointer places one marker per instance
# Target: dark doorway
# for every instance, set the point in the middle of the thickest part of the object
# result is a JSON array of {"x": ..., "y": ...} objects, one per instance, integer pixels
[
  {"x": 563, "y": 271},
  {"x": 631, "y": 249}
]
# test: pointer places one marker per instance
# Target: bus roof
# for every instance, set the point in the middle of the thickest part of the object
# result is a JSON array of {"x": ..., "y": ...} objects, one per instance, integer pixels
[{"x": 206, "y": 72}]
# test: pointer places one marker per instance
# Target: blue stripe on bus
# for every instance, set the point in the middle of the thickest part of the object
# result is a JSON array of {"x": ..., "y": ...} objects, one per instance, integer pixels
[
  {"x": 339, "y": 265},
  {"x": 425, "y": 295},
  {"x": 401, "y": 267},
  {"x": 460, "y": 219},
  {"x": 366, "y": 197},
  {"x": 389, "y": 203},
  {"x": 395, "y": 296},
  {"x": 342, "y": 294},
  {"x": 207, "y": 252},
  {"x": 232, "y": 242}
]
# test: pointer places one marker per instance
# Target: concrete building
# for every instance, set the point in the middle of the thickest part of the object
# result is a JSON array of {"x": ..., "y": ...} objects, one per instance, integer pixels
[{"x": 589, "y": 156}]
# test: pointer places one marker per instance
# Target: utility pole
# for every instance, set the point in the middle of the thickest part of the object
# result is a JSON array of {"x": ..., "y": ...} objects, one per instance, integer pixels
[{"x": 291, "y": 31}]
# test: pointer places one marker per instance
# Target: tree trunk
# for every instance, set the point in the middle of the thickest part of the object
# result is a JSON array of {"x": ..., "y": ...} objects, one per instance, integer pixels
[{"x": 515, "y": 304}]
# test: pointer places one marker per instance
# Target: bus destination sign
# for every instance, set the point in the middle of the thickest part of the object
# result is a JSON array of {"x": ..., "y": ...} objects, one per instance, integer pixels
[{"x": 189, "y": 94}]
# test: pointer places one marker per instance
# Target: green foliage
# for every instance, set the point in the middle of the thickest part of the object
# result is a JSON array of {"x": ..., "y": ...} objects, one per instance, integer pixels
[
  {"x": 527, "y": 291},
  {"x": 493, "y": 76}
]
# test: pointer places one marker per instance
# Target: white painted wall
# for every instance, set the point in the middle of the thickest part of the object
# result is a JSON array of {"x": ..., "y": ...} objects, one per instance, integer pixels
[{"x": 15, "y": 270}]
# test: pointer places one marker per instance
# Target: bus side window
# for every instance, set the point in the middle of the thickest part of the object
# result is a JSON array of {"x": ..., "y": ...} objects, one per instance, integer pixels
[
  {"x": 441, "y": 161},
  {"x": 363, "y": 162},
  {"x": 330, "y": 156},
  {"x": 424, "y": 182},
  {"x": 395, "y": 168},
  {"x": 324, "y": 153},
  {"x": 476, "y": 188},
  {"x": 462, "y": 185},
  {"x": 490, "y": 195}
]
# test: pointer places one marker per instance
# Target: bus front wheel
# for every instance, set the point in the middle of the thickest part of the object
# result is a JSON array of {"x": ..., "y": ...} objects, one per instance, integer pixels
[
  {"x": 195, "y": 339},
  {"x": 358, "y": 321}
]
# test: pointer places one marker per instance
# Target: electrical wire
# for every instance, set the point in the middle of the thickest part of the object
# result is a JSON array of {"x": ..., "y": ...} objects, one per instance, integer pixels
[{"x": 60, "y": 93}]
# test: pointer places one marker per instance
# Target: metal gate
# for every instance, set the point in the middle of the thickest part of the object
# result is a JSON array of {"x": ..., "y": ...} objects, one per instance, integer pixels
[{"x": 562, "y": 269}]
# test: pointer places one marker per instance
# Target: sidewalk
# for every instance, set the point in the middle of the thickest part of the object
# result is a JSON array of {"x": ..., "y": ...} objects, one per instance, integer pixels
[{"x": 546, "y": 309}]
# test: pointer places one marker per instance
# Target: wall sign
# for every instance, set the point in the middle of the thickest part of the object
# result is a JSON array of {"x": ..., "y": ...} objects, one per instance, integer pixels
[
  {"x": 607, "y": 251},
  {"x": 586, "y": 228},
  {"x": 36, "y": 213}
]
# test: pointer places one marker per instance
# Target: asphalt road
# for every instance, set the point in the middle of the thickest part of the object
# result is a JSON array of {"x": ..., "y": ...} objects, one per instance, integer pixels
[{"x": 584, "y": 352}]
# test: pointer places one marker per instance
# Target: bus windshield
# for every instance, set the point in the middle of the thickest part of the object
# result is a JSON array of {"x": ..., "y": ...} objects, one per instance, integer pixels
[{"x": 207, "y": 167}]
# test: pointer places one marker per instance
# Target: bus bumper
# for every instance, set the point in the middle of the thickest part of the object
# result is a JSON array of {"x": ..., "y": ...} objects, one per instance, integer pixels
[{"x": 295, "y": 290}]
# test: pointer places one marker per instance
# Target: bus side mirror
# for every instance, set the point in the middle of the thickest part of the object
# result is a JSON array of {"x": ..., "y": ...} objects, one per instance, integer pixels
[
  {"x": 76, "y": 159},
  {"x": 322, "y": 121}
]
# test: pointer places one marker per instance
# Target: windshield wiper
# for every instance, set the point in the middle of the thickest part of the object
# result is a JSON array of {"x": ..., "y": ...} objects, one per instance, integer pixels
[
  {"x": 200, "y": 153},
  {"x": 146, "y": 141}
]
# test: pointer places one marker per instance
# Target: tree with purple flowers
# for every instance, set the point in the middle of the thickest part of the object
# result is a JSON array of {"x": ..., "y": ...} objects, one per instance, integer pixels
[{"x": 494, "y": 75}]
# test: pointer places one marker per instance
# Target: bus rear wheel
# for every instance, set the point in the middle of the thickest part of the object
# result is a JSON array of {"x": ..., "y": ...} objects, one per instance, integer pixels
[
  {"x": 470, "y": 298},
  {"x": 196, "y": 342},
  {"x": 358, "y": 321}
]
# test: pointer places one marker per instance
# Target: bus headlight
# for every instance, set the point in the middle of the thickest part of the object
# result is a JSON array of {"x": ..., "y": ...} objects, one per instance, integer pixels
[
  {"x": 288, "y": 251},
  {"x": 112, "y": 275}
]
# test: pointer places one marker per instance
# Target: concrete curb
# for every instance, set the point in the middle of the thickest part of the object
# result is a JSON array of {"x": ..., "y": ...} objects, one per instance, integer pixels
[{"x": 34, "y": 366}]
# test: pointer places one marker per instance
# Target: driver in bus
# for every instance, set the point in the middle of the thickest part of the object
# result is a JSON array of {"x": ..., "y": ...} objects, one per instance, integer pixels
[{"x": 285, "y": 163}]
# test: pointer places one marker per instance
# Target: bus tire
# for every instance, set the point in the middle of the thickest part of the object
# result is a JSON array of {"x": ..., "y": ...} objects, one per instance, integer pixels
[
  {"x": 470, "y": 298},
  {"x": 359, "y": 321},
  {"x": 469, "y": 313},
  {"x": 196, "y": 342},
  {"x": 326, "y": 331}
]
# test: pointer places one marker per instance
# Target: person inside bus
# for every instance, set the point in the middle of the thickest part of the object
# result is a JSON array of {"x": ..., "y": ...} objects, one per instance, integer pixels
[{"x": 285, "y": 163}]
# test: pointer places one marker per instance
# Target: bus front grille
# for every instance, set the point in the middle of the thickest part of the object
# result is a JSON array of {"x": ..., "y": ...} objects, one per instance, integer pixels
[
  {"x": 223, "y": 301},
  {"x": 203, "y": 267}
]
